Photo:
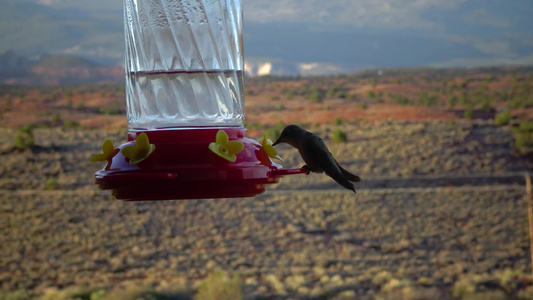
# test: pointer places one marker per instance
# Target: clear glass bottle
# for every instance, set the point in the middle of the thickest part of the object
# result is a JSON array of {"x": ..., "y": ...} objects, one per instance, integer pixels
[{"x": 184, "y": 63}]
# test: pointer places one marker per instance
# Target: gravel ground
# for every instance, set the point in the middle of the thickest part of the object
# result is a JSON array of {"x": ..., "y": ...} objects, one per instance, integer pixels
[{"x": 303, "y": 238}]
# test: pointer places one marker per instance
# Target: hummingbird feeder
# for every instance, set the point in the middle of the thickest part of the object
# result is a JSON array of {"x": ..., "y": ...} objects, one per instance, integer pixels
[{"x": 185, "y": 107}]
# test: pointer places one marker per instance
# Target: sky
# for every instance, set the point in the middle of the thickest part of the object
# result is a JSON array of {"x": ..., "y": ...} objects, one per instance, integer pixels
[{"x": 359, "y": 33}]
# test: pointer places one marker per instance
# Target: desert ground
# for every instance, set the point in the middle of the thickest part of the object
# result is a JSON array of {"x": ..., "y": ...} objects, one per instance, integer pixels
[{"x": 441, "y": 213}]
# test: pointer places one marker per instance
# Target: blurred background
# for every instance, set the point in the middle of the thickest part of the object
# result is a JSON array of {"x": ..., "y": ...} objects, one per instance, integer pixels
[
  {"x": 429, "y": 101},
  {"x": 294, "y": 37}
]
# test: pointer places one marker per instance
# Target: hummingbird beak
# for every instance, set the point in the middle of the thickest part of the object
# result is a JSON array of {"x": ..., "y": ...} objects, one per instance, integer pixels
[{"x": 276, "y": 142}]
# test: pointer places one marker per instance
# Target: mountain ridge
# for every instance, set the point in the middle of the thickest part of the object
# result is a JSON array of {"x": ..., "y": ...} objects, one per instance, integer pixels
[
  {"x": 73, "y": 69},
  {"x": 462, "y": 34},
  {"x": 49, "y": 70},
  {"x": 55, "y": 70}
]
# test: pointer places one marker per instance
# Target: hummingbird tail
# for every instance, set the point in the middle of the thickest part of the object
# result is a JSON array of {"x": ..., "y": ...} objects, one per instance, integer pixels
[
  {"x": 345, "y": 183},
  {"x": 349, "y": 175}
]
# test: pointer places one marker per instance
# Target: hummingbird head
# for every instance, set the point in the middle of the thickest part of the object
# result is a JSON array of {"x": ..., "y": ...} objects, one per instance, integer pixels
[{"x": 290, "y": 135}]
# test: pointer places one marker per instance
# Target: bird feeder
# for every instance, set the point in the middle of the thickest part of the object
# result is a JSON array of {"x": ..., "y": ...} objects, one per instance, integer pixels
[{"x": 185, "y": 107}]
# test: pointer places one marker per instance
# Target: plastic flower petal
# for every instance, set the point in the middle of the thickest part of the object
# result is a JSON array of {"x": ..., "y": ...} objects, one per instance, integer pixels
[
  {"x": 269, "y": 149},
  {"x": 140, "y": 151},
  {"x": 108, "y": 152},
  {"x": 224, "y": 148}
]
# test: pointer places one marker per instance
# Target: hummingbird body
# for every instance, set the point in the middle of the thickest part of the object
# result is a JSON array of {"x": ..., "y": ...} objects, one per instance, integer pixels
[{"x": 316, "y": 155}]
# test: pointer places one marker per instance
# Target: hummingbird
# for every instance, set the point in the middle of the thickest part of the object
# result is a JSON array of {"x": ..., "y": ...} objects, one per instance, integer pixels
[{"x": 316, "y": 155}]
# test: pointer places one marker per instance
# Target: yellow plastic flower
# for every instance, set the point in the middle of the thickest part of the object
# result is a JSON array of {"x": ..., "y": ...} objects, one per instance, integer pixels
[
  {"x": 108, "y": 152},
  {"x": 269, "y": 149},
  {"x": 224, "y": 148},
  {"x": 140, "y": 151}
]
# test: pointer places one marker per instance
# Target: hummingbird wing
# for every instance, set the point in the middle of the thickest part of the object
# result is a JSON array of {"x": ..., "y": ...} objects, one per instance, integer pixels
[{"x": 318, "y": 158}]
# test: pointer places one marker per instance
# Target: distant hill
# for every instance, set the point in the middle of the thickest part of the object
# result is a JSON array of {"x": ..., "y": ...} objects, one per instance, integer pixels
[
  {"x": 65, "y": 62},
  {"x": 300, "y": 37},
  {"x": 56, "y": 70}
]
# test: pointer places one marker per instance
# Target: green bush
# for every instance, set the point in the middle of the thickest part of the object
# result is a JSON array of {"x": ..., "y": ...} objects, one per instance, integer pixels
[
  {"x": 115, "y": 110},
  {"x": 219, "y": 285},
  {"x": 401, "y": 100},
  {"x": 274, "y": 131},
  {"x": 526, "y": 293},
  {"x": 71, "y": 293},
  {"x": 463, "y": 288},
  {"x": 428, "y": 99},
  {"x": 51, "y": 184},
  {"x": 56, "y": 119},
  {"x": 17, "y": 295},
  {"x": 339, "y": 136},
  {"x": 128, "y": 292},
  {"x": 71, "y": 124},
  {"x": 452, "y": 101},
  {"x": 464, "y": 99},
  {"x": 337, "y": 91},
  {"x": 338, "y": 121},
  {"x": 316, "y": 94},
  {"x": 502, "y": 118},
  {"x": 379, "y": 98},
  {"x": 24, "y": 138},
  {"x": 523, "y": 135},
  {"x": 469, "y": 114},
  {"x": 487, "y": 106},
  {"x": 80, "y": 107}
]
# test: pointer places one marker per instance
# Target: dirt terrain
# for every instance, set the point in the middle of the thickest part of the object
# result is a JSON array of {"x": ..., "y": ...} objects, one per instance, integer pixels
[
  {"x": 403, "y": 94},
  {"x": 440, "y": 213}
]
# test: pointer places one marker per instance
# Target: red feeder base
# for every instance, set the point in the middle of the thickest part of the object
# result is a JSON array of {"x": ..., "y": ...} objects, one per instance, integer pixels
[{"x": 183, "y": 167}]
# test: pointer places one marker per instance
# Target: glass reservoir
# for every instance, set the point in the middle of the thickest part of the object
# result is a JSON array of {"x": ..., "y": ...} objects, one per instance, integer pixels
[{"x": 184, "y": 63}]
